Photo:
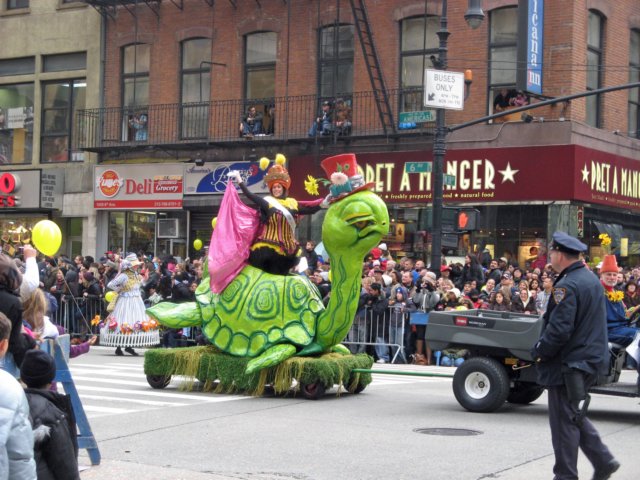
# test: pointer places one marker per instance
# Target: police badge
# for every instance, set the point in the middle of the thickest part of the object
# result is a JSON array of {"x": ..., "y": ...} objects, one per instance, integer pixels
[{"x": 559, "y": 294}]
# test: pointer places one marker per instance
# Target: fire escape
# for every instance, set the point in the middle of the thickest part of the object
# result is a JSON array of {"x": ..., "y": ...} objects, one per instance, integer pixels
[
  {"x": 373, "y": 117},
  {"x": 361, "y": 20}
]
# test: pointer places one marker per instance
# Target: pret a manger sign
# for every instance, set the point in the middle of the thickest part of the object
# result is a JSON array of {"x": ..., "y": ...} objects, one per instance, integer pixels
[{"x": 138, "y": 186}]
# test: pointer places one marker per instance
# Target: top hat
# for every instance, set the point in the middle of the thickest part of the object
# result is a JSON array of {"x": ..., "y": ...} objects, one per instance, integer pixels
[{"x": 342, "y": 171}]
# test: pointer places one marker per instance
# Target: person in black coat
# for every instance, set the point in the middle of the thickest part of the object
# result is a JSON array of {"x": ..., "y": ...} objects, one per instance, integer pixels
[
  {"x": 379, "y": 307},
  {"x": 52, "y": 420},
  {"x": 472, "y": 270},
  {"x": 11, "y": 306},
  {"x": 571, "y": 352}
]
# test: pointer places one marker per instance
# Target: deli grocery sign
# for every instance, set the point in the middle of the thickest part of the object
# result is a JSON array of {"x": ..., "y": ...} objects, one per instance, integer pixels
[{"x": 138, "y": 186}]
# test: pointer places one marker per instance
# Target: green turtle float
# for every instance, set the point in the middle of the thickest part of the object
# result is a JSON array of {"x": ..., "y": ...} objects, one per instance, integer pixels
[{"x": 274, "y": 317}]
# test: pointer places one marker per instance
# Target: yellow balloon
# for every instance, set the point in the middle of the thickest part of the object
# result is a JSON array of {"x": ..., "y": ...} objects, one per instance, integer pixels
[
  {"x": 197, "y": 244},
  {"x": 214, "y": 221},
  {"x": 109, "y": 296},
  {"x": 47, "y": 237}
]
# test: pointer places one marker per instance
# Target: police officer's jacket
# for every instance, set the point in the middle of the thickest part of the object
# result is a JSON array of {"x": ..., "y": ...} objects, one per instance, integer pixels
[{"x": 575, "y": 327}]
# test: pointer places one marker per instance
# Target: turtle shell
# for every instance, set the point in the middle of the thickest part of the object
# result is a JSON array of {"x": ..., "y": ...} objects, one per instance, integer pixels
[{"x": 259, "y": 309}]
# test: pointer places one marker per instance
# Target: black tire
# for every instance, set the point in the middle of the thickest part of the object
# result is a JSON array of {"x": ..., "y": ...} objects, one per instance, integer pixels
[
  {"x": 524, "y": 393},
  {"x": 312, "y": 391},
  {"x": 159, "y": 381},
  {"x": 359, "y": 387},
  {"x": 481, "y": 384}
]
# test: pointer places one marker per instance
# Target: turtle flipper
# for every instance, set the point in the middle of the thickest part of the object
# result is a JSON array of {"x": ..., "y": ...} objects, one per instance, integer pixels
[
  {"x": 340, "y": 348},
  {"x": 270, "y": 357},
  {"x": 176, "y": 315}
]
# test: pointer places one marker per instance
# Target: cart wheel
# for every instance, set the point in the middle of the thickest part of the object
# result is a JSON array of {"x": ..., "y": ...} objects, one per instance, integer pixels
[
  {"x": 312, "y": 391},
  {"x": 159, "y": 381},
  {"x": 481, "y": 384},
  {"x": 523, "y": 393}
]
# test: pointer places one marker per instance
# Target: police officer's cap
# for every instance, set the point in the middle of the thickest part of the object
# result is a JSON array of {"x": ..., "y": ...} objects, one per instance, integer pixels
[{"x": 563, "y": 242}]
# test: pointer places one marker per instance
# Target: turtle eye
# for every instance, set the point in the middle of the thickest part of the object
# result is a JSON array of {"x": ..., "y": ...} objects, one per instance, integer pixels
[
  {"x": 361, "y": 221},
  {"x": 362, "y": 224}
]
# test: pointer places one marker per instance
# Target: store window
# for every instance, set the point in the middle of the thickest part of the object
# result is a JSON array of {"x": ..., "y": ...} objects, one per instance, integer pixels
[
  {"x": 15, "y": 231},
  {"x": 135, "y": 92},
  {"x": 195, "y": 87},
  {"x": 418, "y": 42},
  {"x": 634, "y": 76},
  {"x": 132, "y": 231},
  {"x": 60, "y": 104},
  {"x": 503, "y": 38},
  {"x": 595, "y": 60},
  {"x": 260, "y": 56},
  {"x": 153, "y": 233},
  {"x": 16, "y": 124},
  {"x": 15, "y": 4}
]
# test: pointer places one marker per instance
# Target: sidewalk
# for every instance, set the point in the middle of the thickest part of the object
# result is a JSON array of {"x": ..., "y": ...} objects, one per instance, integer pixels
[{"x": 120, "y": 470}]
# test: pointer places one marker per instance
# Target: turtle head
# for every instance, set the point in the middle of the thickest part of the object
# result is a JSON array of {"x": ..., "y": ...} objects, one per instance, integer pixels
[{"x": 355, "y": 224}]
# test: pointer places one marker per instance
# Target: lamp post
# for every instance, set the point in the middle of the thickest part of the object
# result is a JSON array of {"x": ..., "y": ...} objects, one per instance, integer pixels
[{"x": 473, "y": 17}]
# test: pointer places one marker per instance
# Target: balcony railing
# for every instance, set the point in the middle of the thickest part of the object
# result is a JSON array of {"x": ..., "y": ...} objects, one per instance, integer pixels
[{"x": 183, "y": 125}]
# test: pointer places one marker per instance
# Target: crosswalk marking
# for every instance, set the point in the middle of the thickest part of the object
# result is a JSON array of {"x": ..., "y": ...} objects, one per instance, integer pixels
[
  {"x": 96, "y": 409},
  {"x": 121, "y": 388},
  {"x": 196, "y": 397},
  {"x": 105, "y": 398}
]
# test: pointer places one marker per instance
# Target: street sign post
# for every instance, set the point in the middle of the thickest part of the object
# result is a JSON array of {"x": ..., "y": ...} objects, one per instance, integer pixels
[
  {"x": 417, "y": 167},
  {"x": 449, "y": 180},
  {"x": 443, "y": 89},
  {"x": 418, "y": 117}
]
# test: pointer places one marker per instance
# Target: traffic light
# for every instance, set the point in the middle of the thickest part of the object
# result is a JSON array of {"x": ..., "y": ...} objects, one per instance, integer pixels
[{"x": 467, "y": 219}]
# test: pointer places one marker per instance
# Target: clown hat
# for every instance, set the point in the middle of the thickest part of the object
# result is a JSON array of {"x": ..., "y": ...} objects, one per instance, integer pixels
[
  {"x": 609, "y": 264},
  {"x": 342, "y": 170},
  {"x": 277, "y": 174}
]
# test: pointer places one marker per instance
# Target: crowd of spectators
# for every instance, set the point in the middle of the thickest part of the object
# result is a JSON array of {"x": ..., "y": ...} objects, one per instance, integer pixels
[{"x": 394, "y": 289}]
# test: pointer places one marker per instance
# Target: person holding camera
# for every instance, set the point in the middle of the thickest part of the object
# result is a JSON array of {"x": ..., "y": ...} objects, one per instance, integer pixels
[{"x": 425, "y": 299}]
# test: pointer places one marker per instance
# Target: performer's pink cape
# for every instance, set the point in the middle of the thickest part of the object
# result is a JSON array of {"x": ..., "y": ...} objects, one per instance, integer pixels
[{"x": 235, "y": 231}]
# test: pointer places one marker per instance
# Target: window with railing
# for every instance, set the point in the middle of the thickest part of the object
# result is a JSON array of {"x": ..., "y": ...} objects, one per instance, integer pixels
[
  {"x": 503, "y": 39},
  {"x": 61, "y": 102},
  {"x": 195, "y": 91},
  {"x": 634, "y": 76},
  {"x": 136, "y": 59},
  {"x": 418, "y": 42},
  {"x": 595, "y": 57},
  {"x": 260, "y": 54}
]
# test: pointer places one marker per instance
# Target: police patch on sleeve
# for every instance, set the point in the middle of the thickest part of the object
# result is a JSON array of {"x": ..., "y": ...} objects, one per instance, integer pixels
[{"x": 559, "y": 294}]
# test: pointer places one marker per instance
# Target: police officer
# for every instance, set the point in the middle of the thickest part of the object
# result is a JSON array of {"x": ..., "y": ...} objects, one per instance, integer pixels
[{"x": 570, "y": 353}]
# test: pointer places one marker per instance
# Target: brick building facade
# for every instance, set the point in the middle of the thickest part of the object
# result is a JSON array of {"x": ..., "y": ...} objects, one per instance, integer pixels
[{"x": 178, "y": 76}]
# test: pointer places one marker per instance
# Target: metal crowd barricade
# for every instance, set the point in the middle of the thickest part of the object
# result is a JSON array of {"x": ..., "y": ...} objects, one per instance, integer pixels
[
  {"x": 386, "y": 330},
  {"x": 70, "y": 312}
]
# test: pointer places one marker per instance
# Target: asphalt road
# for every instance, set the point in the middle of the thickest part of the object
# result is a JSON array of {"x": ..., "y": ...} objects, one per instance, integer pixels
[{"x": 170, "y": 434}]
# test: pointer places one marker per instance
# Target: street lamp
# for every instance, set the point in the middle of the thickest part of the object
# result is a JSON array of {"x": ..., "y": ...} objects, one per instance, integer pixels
[{"x": 473, "y": 17}]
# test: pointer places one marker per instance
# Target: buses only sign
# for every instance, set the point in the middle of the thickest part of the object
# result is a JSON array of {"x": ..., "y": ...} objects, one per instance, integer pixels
[{"x": 443, "y": 89}]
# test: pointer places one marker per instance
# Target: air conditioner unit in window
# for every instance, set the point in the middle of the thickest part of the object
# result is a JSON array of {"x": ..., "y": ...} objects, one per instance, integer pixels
[{"x": 168, "y": 228}]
